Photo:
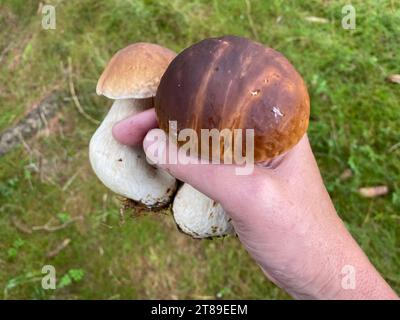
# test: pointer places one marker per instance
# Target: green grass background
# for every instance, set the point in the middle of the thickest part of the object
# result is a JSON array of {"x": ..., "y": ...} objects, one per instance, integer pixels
[{"x": 354, "y": 124}]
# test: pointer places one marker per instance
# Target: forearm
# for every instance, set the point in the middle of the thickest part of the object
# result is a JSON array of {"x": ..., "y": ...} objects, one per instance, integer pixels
[
  {"x": 354, "y": 277},
  {"x": 343, "y": 271},
  {"x": 326, "y": 262}
]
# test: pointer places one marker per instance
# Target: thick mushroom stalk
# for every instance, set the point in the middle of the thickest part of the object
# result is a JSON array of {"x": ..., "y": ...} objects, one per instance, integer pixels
[
  {"x": 131, "y": 76},
  {"x": 198, "y": 215},
  {"x": 124, "y": 169}
]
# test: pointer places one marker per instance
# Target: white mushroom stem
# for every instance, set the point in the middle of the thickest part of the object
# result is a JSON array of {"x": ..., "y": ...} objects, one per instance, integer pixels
[
  {"x": 124, "y": 169},
  {"x": 199, "y": 216}
]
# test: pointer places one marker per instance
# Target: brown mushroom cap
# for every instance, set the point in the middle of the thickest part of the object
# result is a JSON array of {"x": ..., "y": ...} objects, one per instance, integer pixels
[
  {"x": 235, "y": 83},
  {"x": 134, "y": 72}
]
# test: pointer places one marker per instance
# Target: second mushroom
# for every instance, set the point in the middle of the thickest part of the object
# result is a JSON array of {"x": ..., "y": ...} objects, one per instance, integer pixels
[{"x": 131, "y": 79}]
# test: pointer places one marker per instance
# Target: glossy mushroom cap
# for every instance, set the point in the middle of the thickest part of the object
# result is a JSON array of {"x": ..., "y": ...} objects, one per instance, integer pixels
[
  {"x": 134, "y": 72},
  {"x": 235, "y": 83}
]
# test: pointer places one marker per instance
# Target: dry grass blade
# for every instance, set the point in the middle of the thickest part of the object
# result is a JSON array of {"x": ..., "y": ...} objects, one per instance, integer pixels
[
  {"x": 251, "y": 22},
  {"x": 75, "y": 97},
  {"x": 373, "y": 192},
  {"x": 394, "y": 147},
  {"x": 316, "y": 19},
  {"x": 49, "y": 228},
  {"x": 70, "y": 180},
  {"x": 58, "y": 248}
]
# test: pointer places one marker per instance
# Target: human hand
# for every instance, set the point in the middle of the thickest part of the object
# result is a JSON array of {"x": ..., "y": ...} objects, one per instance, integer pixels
[{"x": 284, "y": 217}]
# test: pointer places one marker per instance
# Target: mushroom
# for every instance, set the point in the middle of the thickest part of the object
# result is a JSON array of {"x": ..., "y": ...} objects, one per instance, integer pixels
[
  {"x": 198, "y": 215},
  {"x": 131, "y": 76},
  {"x": 230, "y": 83}
]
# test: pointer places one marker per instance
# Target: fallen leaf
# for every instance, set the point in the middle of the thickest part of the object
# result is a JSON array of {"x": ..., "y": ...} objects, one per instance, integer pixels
[
  {"x": 394, "y": 78},
  {"x": 346, "y": 174},
  {"x": 372, "y": 192},
  {"x": 316, "y": 20}
]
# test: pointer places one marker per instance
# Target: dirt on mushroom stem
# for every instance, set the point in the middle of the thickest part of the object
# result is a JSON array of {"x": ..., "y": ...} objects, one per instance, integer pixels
[{"x": 138, "y": 209}]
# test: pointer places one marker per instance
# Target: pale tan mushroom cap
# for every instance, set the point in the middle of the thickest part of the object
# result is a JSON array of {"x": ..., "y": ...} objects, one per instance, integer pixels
[{"x": 135, "y": 71}]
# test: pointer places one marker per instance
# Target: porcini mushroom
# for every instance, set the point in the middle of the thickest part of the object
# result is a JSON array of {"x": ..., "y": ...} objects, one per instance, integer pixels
[
  {"x": 132, "y": 75},
  {"x": 231, "y": 83},
  {"x": 198, "y": 215}
]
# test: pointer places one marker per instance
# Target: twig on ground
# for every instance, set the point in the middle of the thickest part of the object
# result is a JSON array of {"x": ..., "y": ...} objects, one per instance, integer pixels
[
  {"x": 19, "y": 225},
  {"x": 316, "y": 19},
  {"x": 372, "y": 192},
  {"x": 49, "y": 228},
  {"x": 30, "y": 124},
  {"x": 58, "y": 248},
  {"x": 75, "y": 98}
]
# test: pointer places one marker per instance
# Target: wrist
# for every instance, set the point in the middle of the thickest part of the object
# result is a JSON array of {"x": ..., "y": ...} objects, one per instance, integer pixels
[
  {"x": 348, "y": 274},
  {"x": 336, "y": 269}
]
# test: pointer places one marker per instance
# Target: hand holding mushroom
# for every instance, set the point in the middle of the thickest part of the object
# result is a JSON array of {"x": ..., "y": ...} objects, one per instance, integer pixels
[
  {"x": 283, "y": 214},
  {"x": 224, "y": 83},
  {"x": 235, "y": 84},
  {"x": 284, "y": 218}
]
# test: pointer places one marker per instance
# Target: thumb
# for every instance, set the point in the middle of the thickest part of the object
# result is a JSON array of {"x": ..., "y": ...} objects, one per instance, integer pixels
[
  {"x": 132, "y": 130},
  {"x": 218, "y": 181}
]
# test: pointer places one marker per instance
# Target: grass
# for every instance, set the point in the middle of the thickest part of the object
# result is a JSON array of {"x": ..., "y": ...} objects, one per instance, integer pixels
[{"x": 354, "y": 124}]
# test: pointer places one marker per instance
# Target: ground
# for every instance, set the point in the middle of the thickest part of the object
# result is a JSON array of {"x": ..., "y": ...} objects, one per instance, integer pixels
[{"x": 354, "y": 128}]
